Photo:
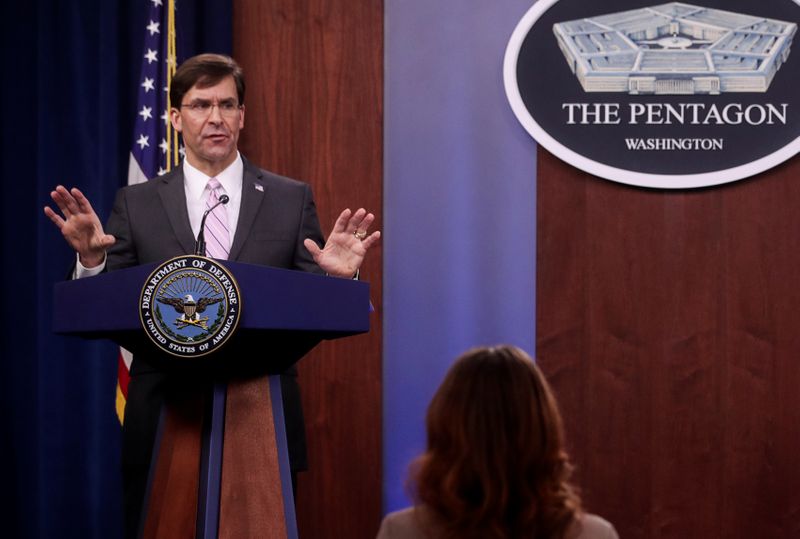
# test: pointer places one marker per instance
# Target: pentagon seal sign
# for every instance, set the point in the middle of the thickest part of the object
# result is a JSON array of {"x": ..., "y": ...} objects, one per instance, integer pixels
[
  {"x": 668, "y": 95},
  {"x": 190, "y": 306}
]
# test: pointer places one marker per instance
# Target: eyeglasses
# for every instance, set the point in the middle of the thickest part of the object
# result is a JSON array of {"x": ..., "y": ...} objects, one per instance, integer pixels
[{"x": 202, "y": 108}]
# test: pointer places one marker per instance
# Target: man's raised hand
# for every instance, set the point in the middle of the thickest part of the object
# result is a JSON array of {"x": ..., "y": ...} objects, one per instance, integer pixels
[
  {"x": 347, "y": 244},
  {"x": 79, "y": 225}
]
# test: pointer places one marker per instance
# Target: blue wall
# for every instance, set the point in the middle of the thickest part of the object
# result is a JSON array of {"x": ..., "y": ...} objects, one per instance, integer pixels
[{"x": 459, "y": 208}]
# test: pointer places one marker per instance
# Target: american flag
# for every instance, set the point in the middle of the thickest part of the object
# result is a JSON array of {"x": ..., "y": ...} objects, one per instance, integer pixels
[{"x": 155, "y": 148}]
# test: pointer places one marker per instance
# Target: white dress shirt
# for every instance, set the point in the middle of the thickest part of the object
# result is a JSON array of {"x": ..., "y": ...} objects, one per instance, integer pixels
[{"x": 195, "y": 185}]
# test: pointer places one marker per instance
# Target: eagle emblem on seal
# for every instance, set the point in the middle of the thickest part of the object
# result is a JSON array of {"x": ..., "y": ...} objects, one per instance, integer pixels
[{"x": 190, "y": 310}]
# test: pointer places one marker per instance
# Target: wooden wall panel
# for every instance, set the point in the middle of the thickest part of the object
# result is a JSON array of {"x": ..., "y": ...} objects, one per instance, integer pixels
[
  {"x": 668, "y": 323},
  {"x": 314, "y": 112}
]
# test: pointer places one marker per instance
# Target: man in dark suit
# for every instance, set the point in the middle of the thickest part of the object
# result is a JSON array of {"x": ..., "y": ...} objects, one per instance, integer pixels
[{"x": 269, "y": 220}]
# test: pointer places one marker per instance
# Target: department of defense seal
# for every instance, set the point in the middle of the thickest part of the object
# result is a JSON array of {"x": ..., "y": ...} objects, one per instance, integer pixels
[{"x": 190, "y": 306}]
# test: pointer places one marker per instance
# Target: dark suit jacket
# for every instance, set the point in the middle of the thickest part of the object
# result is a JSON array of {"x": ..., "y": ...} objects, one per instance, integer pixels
[{"x": 150, "y": 222}]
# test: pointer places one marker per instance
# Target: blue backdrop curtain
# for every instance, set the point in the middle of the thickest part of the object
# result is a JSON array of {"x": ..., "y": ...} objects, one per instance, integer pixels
[
  {"x": 459, "y": 209},
  {"x": 70, "y": 71}
]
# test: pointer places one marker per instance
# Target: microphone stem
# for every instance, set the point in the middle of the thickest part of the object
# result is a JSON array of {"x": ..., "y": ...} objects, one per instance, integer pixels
[{"x": 200, "y": 244}]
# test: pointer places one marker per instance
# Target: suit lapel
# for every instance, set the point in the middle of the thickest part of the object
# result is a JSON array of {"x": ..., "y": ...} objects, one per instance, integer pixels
[
  {"x": 173, "y": 198},
  {"x": 253, "y": 190}
]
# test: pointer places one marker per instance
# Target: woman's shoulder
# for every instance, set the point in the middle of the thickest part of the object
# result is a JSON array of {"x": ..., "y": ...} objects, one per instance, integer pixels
[
  {"x": 412, "y": 523},
  {"x": 589, "y": 526},
  {"x": 403, "y": 524},
  {"x": 401, "y": 516}
]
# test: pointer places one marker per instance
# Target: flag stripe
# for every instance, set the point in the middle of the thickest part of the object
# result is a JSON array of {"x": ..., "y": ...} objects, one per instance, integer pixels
[{"x": 155, "y": 143}]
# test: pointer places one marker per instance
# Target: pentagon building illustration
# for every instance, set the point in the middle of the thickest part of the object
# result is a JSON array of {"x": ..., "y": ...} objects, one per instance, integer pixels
[{"x": 675, "y": 48}]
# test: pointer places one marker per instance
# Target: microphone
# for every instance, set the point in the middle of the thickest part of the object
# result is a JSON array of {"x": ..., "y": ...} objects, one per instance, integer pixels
[{"x": 200, "y": 244}]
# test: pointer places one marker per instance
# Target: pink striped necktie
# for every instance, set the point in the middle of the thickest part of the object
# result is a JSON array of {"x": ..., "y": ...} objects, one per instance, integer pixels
[{"x": 218, "y": 239}]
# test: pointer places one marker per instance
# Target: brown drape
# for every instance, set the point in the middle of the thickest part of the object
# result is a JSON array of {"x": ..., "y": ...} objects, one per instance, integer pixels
[
  {"x": 668, "y": 323},
  {"x": 314, "y": 112}
]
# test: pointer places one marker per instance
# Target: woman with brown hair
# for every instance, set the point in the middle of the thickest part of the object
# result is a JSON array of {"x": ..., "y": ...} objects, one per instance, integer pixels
[{"x": 495, "y": 466}]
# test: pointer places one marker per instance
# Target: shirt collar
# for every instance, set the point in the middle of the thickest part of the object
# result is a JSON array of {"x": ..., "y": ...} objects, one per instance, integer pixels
[{"x": 230, "y": 178}]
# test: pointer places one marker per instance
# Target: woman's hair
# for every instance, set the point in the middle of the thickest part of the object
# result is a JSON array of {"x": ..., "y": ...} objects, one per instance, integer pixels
[{"x": 495, "y": 466}]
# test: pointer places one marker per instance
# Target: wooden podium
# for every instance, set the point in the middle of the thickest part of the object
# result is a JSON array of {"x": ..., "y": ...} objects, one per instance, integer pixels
[{"x": 220, "y": 466}]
